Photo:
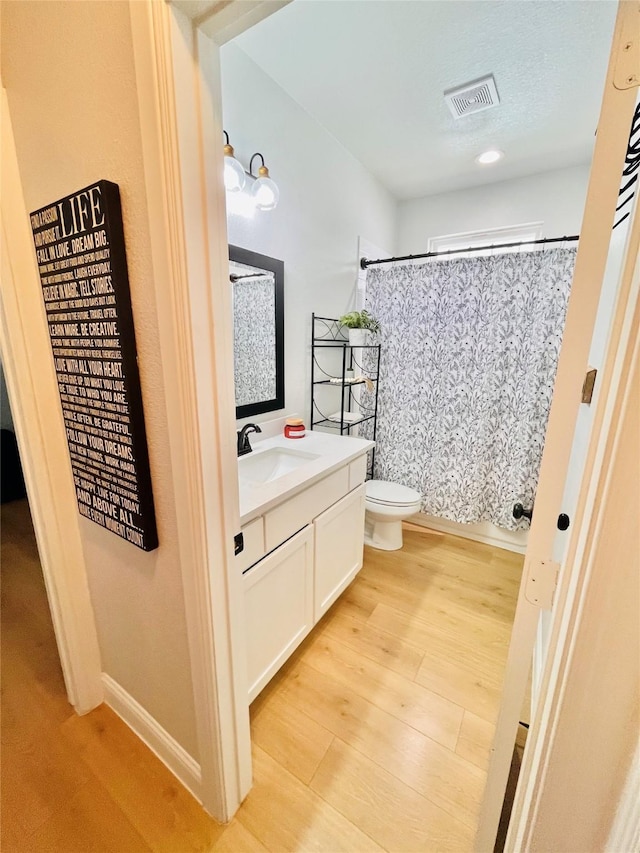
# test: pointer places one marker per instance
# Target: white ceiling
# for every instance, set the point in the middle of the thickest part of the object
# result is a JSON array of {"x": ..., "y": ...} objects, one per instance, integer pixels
[{"x": 373, "y": 73}]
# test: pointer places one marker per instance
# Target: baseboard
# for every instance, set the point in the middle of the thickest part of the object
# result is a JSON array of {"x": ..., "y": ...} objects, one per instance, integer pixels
[
  {"x": 485, "y": 532},
  {"x": 147, "y": 728}
]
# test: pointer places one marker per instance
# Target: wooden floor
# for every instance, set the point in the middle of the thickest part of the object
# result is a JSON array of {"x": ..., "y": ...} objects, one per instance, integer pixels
[{"x": 374, "y": 736}]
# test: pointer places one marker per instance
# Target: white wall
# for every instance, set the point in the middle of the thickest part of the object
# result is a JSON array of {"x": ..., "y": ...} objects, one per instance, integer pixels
[
  {"x": 327, "y": 199},
  {"x": 69, "y": 74},
  {"x": 556, "y": 198}
]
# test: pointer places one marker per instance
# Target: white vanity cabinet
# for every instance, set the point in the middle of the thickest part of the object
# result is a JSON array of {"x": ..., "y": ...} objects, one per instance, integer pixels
[{"x": 298, "y": 557}]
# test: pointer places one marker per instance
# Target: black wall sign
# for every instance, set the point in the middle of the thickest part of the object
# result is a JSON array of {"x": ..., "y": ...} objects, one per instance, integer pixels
[{"x": 83, "y": 269}]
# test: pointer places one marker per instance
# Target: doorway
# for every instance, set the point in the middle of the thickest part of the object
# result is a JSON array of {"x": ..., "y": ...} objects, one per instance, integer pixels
[
  {"x": 205, "y": 301},
  {"x": 34, "y": 697},
  {"x": 214, "y": 131}
]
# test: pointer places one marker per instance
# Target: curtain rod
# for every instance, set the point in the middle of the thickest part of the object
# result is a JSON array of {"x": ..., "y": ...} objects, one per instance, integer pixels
[
  {"x": 234, "y": 278},
  {"x": 365, "y": 262}
]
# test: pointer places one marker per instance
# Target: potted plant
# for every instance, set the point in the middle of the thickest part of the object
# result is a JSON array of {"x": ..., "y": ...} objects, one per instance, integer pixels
[{"x": 359, "y": 324}]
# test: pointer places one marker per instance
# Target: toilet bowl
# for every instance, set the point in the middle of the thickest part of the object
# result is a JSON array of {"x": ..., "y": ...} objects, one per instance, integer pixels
[{"x": 386, "y": 506}]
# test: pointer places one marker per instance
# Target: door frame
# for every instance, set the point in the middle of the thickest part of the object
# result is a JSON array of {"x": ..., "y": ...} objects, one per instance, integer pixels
[
  {"x": 181, "y": 132},
  {"x": 610, "y": 149},
  {"x": 190, "y": 97},
  {"x": 187, "y": 222},
  {"x": 571, "y": 595},
  {"x": 40, "y": 432}
]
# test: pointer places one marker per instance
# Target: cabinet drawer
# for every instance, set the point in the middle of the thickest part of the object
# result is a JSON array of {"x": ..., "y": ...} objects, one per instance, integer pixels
[
  {"x": 278, "y": 604},
  {"x": 253, "y": 536},
  {"x": 292, "y": 515},
  {"x": 357, "y": 471}
]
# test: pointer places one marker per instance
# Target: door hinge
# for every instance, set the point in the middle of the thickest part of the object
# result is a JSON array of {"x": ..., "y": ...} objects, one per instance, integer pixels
[
  {"x": 542, "y": 579},
  {"x": 588, "y": 385},
  {"x": 627, "y": 62},
  {"x": 238, "y": 544}
]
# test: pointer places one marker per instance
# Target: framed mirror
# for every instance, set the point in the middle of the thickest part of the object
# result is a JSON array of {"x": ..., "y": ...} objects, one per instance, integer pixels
[{"x": 258, "y": 331}]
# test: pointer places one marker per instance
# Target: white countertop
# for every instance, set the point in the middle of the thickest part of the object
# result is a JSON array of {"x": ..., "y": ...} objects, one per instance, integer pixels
[{"x": 334, "y": 451}]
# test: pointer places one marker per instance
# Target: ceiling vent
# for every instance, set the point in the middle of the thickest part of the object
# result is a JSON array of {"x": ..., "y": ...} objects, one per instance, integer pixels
[{"x": 473, "y": 97}]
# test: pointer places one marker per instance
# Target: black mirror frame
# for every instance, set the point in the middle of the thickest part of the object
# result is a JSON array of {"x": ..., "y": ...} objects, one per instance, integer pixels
[{"x": 254, "y": 259}]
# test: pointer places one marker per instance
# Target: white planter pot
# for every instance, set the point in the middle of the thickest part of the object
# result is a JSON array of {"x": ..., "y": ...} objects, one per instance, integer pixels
[{"x": 358, "y": 337}]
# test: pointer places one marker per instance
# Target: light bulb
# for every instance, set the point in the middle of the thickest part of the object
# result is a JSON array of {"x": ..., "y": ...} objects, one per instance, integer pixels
[
  {"x": 264, "y": 191},
  {"x": 234, "y": 175},
  {"x": 489, "y": 157}
]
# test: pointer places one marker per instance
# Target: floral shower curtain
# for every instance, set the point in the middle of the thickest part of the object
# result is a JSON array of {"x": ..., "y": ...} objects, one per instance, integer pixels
[{"x": 469, "y": 355}]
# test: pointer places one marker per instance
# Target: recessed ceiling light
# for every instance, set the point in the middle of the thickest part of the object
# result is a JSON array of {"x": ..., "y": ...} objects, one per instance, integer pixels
[{"x": 489, "y": 157}]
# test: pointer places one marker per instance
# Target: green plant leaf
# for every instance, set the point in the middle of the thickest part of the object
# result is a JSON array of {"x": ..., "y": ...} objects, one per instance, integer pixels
[{"x": 360, "y": 320}]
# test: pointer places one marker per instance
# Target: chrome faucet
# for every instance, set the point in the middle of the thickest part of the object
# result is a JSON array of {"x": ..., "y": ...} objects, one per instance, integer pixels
[{"x": 243, "y": 438}]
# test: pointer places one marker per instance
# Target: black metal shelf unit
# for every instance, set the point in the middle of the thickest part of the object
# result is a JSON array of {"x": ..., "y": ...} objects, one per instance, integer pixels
[{"x": 350, "y": 368}]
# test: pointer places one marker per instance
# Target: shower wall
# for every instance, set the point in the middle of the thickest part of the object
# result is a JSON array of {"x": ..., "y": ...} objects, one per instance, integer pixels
[{"x": 555, "y": 198}]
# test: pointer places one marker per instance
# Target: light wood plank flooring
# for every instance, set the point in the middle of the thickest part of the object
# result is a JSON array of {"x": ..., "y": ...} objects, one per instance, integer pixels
[{"x": 374, "y": 736}]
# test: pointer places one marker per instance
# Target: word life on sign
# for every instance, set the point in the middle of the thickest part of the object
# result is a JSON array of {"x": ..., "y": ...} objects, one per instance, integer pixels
[{"x": 81, "y": 256}]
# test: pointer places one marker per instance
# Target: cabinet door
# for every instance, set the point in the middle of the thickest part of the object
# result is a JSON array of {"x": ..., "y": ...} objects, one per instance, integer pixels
[
  {"x": 339, "y": 541},
  {"x": 278, "y": 597}
]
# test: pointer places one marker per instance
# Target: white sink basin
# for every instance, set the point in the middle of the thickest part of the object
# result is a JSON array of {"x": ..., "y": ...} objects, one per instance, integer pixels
[{"x": 258, "y": 468}]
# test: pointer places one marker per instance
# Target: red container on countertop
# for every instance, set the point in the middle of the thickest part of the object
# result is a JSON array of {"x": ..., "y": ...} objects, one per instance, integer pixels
[{"x": 294, "y": 428}]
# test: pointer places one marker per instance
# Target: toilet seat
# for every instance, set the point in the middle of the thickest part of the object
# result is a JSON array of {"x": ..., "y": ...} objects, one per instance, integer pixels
[{"x": 391, "y": 494}]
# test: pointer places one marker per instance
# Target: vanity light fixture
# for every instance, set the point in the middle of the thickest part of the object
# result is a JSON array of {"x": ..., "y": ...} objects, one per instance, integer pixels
[
  {"x": 487, "y": 158},
  {"x": 234, "y": 174},
  {"x": 264, "y": 191}
]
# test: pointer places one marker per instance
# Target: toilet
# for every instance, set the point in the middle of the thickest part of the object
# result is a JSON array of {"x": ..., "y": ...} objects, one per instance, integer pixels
[{"x": 386, "y": 506}]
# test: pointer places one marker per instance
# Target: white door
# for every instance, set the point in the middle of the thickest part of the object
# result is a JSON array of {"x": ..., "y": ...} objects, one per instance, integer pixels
[
  {"x": 584, "y": 421},
  {"x": 563, "y": 459}
]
